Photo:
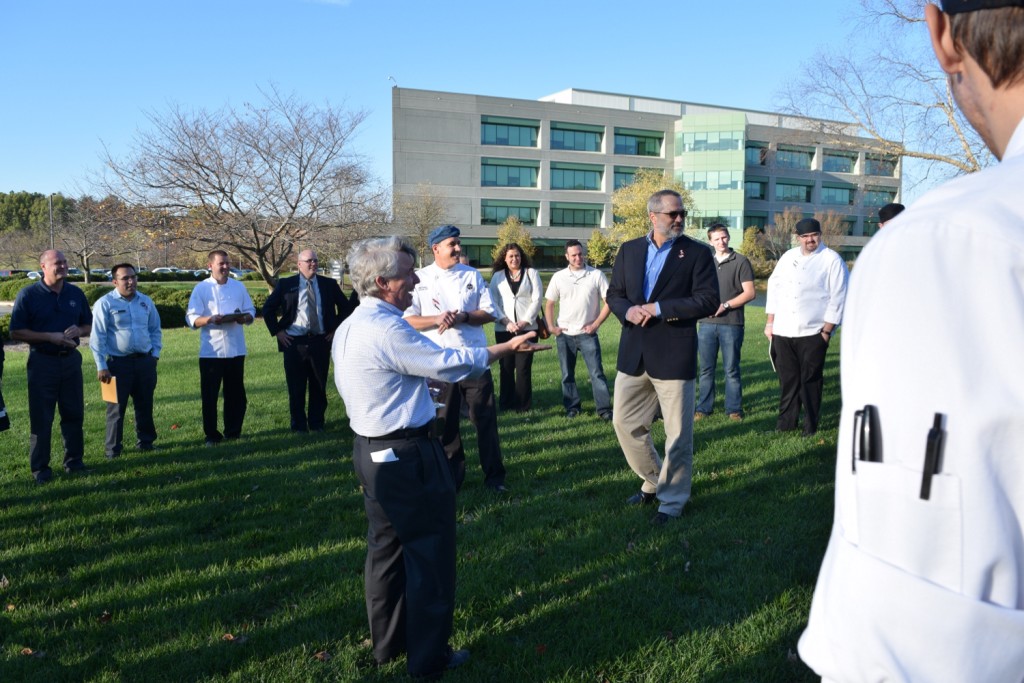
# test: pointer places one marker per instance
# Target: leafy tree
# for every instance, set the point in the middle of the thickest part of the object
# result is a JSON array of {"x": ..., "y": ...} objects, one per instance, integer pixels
[
  {"x": 629, "y": 204},
  {"x": 419, "y": 213},
  {"x": 513, "y": 230},
  {"x": 259, "y": 181},
  {"x": 886, "y": 81},
  {"x": 600, "y": 250}
]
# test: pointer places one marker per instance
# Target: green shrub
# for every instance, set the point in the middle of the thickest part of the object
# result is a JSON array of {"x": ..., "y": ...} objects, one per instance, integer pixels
[
  {"x": 93, "y": 292},
  {"x": 258, "y": 300},
  {"x": 5, "y": 327},
  {"x": 10, "y": 288},
  {"x": 171, "y": 315}
]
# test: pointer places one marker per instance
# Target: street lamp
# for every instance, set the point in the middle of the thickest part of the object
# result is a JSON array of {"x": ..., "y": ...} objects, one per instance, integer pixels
[{"x": 51, "y": 219}]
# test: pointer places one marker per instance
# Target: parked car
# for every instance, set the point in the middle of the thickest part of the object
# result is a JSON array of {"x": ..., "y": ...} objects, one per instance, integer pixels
[
  {"x": 239, "y": 273},
  {"x": 169, "y": 270},
  {"x": 75, "y": 271},
  {"x": 34, "y": 275}
]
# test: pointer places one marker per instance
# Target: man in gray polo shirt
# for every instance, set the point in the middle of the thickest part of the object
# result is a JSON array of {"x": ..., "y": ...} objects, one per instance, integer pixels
[{"x": 724, "y": 329}]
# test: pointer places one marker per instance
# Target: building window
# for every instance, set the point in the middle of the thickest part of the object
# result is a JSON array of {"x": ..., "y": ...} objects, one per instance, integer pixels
[
  {"x": 501, "y": 130},
  {"x": 576, "y": 215},
  {"x": 877, "y": 164},
  {"x": 575, "y": 177},
  {"x": 624, "y": 176},
  {"x": 645, "y": 143},
  {"x": 837, "y": 195},
  {"x": 508, "y": 173},
  {"x": 848, "y": 225},
  {"x": 711, "y": 141},
  {"x": 838, "y": 162},
  {"x": 579, "y": 137},
  {"x": 494, "y": 212},
  {"x": 750, "y": 221},
  {"x": 785, "y": 192},
  {"x": 878, "y": 197},
  {"x": 712, "y": 180},
  {"x": 755, "y": 189},
  {"x": 792, "y": 157},
  {"x": 757, "y": 153},
  {"x": 870, "y": 226}
]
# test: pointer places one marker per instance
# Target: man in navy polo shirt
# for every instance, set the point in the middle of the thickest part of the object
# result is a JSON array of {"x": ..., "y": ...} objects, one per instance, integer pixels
[{"x": 52, "y": 316}]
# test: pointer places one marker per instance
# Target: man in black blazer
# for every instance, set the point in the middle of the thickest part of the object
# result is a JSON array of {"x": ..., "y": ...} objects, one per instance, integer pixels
[
  {"x": 661, "y": 285},
  {"x": 303, "y": 312}
]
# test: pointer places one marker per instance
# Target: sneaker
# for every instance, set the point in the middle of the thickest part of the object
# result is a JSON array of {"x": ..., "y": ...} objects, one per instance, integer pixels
[
  {"x": 661, "y": 519},
  {"x": 736, "y": 417},
  {"x": 607, "y": 417},
  {"x": 572, "y": 413},
  {"x": 698, "y": 416}
]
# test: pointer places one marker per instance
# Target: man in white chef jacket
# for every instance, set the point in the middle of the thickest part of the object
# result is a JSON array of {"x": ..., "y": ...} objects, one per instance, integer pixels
[{"x": 923, "y": 579}]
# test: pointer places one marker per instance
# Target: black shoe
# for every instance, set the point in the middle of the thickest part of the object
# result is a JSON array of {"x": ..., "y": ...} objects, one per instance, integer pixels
[
  {"x": 144, "y": 446},
  {"x": 497, "y": 488},
  {"x": 211, "y": 442},
  {"x": 111, "y": 456},
  {"x": 661, "y": 519},
  {"x": 81, "y": 469},
  {"x": 457, "y": 658},
  {"x": 572, "y": 413},
  {"x": 607, "y": 417},
  {"x": 42, "y": 476},
  {"x": 642, "y": 498}
]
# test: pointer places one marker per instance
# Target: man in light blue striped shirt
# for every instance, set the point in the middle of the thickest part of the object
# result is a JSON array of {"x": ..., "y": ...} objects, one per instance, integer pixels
[
  {"x": 126, "y": 342},
  {"x": 381, "y": 369}
]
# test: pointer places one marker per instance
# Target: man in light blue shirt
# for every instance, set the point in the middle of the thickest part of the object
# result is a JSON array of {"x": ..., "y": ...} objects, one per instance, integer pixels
[{"x": 126, "y": 342}]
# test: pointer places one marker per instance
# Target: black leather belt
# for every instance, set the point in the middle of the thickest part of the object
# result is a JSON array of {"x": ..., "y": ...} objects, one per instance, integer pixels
[
  {"x": 49, "y": 352},
  {"x": 407, "y": 433},
  {"x": 144, "y": 354}
]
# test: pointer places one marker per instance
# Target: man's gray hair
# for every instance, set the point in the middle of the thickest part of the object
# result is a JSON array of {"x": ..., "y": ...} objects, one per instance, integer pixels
[
  {"x": 373, "y": 258},
  {"x": 654, "y": 203}
]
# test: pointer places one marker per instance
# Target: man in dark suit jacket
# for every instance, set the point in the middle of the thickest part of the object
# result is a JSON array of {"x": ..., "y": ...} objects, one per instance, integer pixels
[
  {"x": 661, "y": 285},
  {"x": 303, "y": 312}
]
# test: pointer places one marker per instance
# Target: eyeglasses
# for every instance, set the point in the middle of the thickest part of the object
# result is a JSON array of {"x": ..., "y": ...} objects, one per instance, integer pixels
[
  {"x": 127, "y": 278},
  {"x": 309, "y": 260},
  {"x": 673, "y": 214}
]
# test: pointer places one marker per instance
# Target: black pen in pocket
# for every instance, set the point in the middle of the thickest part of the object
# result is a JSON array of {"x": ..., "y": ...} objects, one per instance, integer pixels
[
  {"x": 867, "y": 436},
  {"x": 932, "y": 455}
]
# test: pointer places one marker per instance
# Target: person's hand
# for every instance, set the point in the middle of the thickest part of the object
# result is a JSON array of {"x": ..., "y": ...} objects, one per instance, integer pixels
[
  {"x": 721, "y": 309},
  {"x": 61, "y": 339},
  {"x": 638, "y": 315},
  {"x": 284, "y": 339},
  {"x": 446, "y": 320},
  {"x": 72, "y": 332},
  {"x": 768, "y": 332},
  {"x": 103, "y": 376},
  {"x": 522, "y": 343},
  {"x": 556, "y": 331}
]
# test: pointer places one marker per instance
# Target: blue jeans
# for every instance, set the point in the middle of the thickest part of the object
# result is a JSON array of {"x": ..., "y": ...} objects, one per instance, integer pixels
[
  {"x": 587, "y": 344},
  {"x": 729, "y": 338}
]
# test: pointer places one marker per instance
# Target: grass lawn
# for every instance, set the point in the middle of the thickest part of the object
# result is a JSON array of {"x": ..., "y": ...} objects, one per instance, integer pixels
[{"x": 244, "y": 562}]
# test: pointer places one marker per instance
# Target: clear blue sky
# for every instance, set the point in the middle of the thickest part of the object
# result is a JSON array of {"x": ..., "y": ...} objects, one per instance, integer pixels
[{"x": 79, "y": 74}]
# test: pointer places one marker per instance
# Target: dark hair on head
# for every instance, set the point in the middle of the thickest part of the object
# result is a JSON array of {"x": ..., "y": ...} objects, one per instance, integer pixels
[
  {"x": 890, "y": 211},
  {"x": 715, "y": 227},
  {"x": 995, "y": 39},
  {"x": 119, "y": 266},
  {"x": 499, "y": 260},
  {"x": 654, "y": 202},
  {"x": 573, "y": 243},
  {"x": 217, "y": 252}
]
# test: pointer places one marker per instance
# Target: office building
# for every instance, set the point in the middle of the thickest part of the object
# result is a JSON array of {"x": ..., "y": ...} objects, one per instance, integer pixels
[{"x": 554, "y": 163}]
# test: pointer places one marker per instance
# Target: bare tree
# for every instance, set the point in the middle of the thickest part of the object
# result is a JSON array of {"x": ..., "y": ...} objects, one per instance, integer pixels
[
  {"x": 777, "y": 237},
  {"x": 89, "y": 230},
  {"x": 259, "y": 181},
  {"x": 885, "y": 80},
  {"x": 833, "y": 228},
  {"x": 19, "y": 248},
  {"x": 418, "y": 213}
]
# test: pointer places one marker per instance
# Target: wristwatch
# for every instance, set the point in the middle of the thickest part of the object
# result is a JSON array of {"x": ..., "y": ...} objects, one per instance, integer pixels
[{"x": 726, "y": 306}]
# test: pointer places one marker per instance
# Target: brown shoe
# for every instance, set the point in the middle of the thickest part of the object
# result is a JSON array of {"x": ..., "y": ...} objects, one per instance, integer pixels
[
  {"x": 697, "y": 417},
  {"x": 737, "y": 417}
]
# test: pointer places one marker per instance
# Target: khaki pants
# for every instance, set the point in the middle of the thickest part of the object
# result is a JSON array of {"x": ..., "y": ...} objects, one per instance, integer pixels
[{"x": 636, "y": 400}]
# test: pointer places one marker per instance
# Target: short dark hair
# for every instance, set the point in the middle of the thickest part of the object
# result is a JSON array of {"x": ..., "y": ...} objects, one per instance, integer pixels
[
  {"x": 890, "y": 211},
  {"x": 993, "y": 37},
  {"x": 217, "y": 252},
  {"x": 717, "y": 227},
  {"x": 572, "y": 243},
  {"x": 119, "y": 266},
  {"x": 654, "y": 202}
]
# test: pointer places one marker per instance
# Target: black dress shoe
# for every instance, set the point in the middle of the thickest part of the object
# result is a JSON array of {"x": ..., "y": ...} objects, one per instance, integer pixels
[
  {"x": 661, "y": 519},
  {"x": 497, "y": 488},
  {"x": 457, "y": 658},
  {"x": 607, "y": 417},
  {"x": 642, "y": 498}
]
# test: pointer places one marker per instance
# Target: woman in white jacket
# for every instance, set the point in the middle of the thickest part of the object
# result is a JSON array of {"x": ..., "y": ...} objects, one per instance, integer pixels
[{"x": 516, "y": 291}]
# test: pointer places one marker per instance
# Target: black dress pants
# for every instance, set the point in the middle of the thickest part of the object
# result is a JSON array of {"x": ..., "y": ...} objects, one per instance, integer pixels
[
  {"x": 55, "y": 383},
  {"x": 306, "y": 364},
  {"x": 479, "y": 395},
  {"x": 409, "y": 498},
  {"x": 136, "y": 379},
  {"x": 231, "y": 373},
  {"x": 516, "y": 377},
  {"x": 800, "y": 363}
]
